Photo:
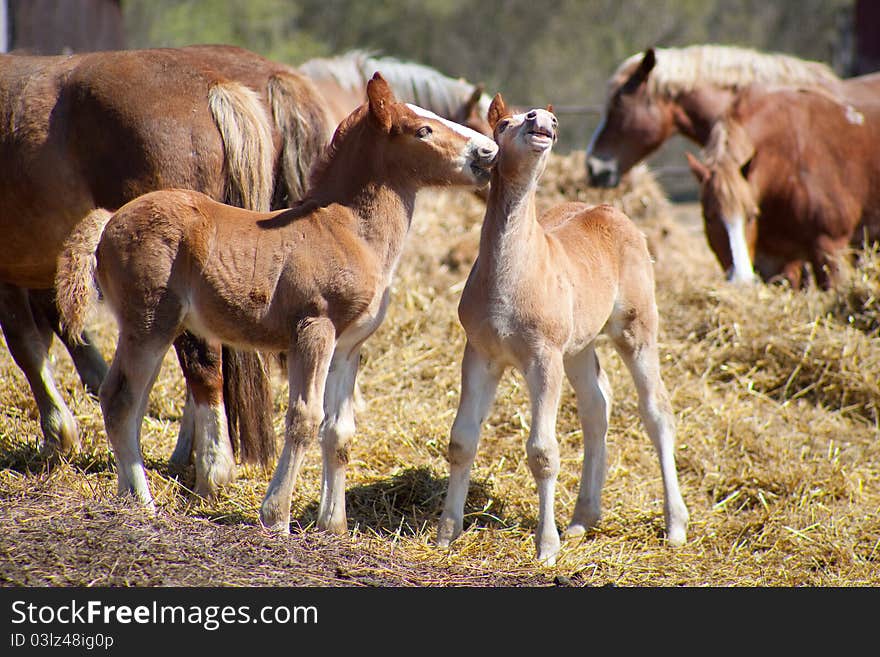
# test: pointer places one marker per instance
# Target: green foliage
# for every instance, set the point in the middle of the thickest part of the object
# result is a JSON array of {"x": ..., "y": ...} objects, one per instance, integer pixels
[{"x": 553, "y": 51}]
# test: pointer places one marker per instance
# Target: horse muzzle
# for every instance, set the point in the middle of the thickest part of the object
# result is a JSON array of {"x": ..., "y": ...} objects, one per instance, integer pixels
[{"x": 602, "y": 173}]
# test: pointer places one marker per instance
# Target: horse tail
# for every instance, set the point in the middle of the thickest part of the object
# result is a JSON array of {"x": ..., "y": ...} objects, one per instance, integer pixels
[
  {"x": 302, "y": 118},
  {"x": 246, "y": 131},
  {"x": 75, "y": 288},
  {"x": 247, "y": 141}
]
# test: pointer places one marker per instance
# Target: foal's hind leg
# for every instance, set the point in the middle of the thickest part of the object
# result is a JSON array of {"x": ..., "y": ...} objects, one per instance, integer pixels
[
  {"x": 124, "y": 396},
  {"x": 593, "y": 393},
  {"x": 479, "y": 382},
  {"x": 336, "y": 431},
  {"x": 30, "y": 350},
  {"x": 214, "y": 461},
  {"x": 308, "y": 361},
  {"x": 643, "y": 362}
]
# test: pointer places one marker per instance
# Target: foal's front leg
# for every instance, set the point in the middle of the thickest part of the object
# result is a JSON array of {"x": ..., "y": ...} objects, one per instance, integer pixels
[
  {"x": 544, "y": 378},
  {"x": 593, "y": 393},
  {"x": 479, "y": 382},
  {"x": 336, "y": 431},
  {"x": 308, "y": 363}
]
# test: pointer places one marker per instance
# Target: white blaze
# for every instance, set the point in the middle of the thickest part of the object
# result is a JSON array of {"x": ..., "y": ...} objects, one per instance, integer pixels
[
  {"x": 481, "y": 141},
  {"x": 742, "y": 270}
]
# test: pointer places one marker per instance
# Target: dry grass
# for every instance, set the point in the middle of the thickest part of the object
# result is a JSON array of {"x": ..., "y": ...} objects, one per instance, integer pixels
[{"x": 776, "y": 395}]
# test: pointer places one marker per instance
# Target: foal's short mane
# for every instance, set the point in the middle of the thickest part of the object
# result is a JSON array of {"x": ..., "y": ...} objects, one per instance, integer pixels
[
  {"x": 322, "y": 164},
  {"x": 682, "y": 69}
]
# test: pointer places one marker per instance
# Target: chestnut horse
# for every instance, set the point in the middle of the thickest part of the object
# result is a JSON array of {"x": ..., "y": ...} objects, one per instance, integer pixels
[
  {"x": 652, "y": 96},
  {"x": 790, "y": 176},
  {"x": 96, "y": 130},
  {"x": 593, "y": 262},
  {"x": 342, "y": 81},
  {"x": 313, "y": 281}
]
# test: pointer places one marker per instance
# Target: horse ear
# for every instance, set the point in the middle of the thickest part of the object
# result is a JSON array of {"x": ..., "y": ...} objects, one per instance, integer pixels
[
  {"x": 380, "y": 98},
  {"x": 649, "y": 61},
  {"x": 497, "y": 110},
  {"x": 700, "y": 170},
  {"x": 550, "y": 108},
  {"x": 474, "y": 100}
]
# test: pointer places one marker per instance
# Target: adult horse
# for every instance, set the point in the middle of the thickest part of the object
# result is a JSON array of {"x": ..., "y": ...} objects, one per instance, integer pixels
[
  {"x": 98, "y": 129},
  {"x": 342, "y": 80},
  {"x": 791, "y": 176},
  {"x": 313, "y": 281},
  {"x": 652, "y": 96}
]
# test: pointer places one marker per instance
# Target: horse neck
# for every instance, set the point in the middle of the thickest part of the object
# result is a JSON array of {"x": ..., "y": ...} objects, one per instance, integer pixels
[
  {"x": 381, "y": 205},
  {"x": 694, "y": 112},
  {"x": 509, "y": 236}
]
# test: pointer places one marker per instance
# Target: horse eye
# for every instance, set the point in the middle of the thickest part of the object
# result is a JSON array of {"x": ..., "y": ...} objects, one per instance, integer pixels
[
  {"x": 501, "y": 127},
  {"x": 531, "y": 116},
  {"x": 423, "y": 132}
]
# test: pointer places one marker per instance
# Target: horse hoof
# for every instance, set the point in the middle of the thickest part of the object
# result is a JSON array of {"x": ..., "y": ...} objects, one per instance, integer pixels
[
  {"x": 676, "y": 538},
  {"x": 447, "y": 531},
  {"x": 574, "y": 530},
  {"x": 281, "y": 528}
]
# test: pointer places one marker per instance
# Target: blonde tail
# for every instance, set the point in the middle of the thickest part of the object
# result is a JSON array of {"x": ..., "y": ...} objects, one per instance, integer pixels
[{"x": 75, "y": 289}]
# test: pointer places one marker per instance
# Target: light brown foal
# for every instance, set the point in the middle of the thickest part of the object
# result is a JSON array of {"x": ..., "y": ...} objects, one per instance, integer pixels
[
  {"x": 313, "y": 281},
  {"x": 539, "y": 294}
]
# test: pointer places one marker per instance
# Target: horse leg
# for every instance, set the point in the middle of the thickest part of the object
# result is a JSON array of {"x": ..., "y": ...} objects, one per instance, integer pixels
[
  {"x": 479, "y": 382},
  {"x": 183, "y": 449},
  {"x": 642, "y": 360},
  {"x": 212, "y": 449},
  {"x": 544, "y": 377},
  {"x": 30, "y": 350},
  {"x": 308, "y": 363},
  {"x": 824, "y": 257},
  {"x": 123, "y": 395},
  {"x": 88, "y": 361},
  {"x": 336, "y": 431},
  {"x": 593, "y": 392}
]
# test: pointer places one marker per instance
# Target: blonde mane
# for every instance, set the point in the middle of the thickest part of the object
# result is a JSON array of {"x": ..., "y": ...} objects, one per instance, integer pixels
[
  {"x": 412, "y": 82},
  {"x": 728, "y": 149},
  {"x": 680, "y": 70}
]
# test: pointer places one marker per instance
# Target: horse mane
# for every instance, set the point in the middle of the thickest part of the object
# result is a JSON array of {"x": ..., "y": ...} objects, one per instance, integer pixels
[
  {"x": 680, "y": 70},
  {"x": 412, "y": 82},
  {"x": 344, "y": 69},
  {"x": 319, "y": 169},
  {"x": 729, "y": 148}
]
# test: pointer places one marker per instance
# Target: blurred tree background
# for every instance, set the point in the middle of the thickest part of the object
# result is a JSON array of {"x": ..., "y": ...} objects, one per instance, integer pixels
[{"x": 556, "y": 51}]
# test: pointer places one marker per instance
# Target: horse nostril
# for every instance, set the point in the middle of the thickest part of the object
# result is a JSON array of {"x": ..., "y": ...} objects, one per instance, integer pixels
[{"x": 487, "y": 152}]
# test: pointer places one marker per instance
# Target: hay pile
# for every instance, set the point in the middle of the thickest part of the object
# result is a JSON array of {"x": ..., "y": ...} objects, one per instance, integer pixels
[{"x": 775, "y": 393}]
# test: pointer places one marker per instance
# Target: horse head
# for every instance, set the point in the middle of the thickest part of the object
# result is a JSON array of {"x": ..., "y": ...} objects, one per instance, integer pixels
[
  {"x": 633, "y": 124},
  {"x": 730, "y": 211},
  {"x": 524, "y": 139}
]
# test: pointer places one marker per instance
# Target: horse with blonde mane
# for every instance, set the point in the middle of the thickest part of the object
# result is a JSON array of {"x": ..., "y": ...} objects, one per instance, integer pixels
[
  {"x": 593, "y": 263},
  {"x": 98, "y": 129},
  {"x": 663, "y": 91},
  {"x": 313, "y": 281},
  {"x": 342, "y": 81},
  {"x": 790, "y": 177}
]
